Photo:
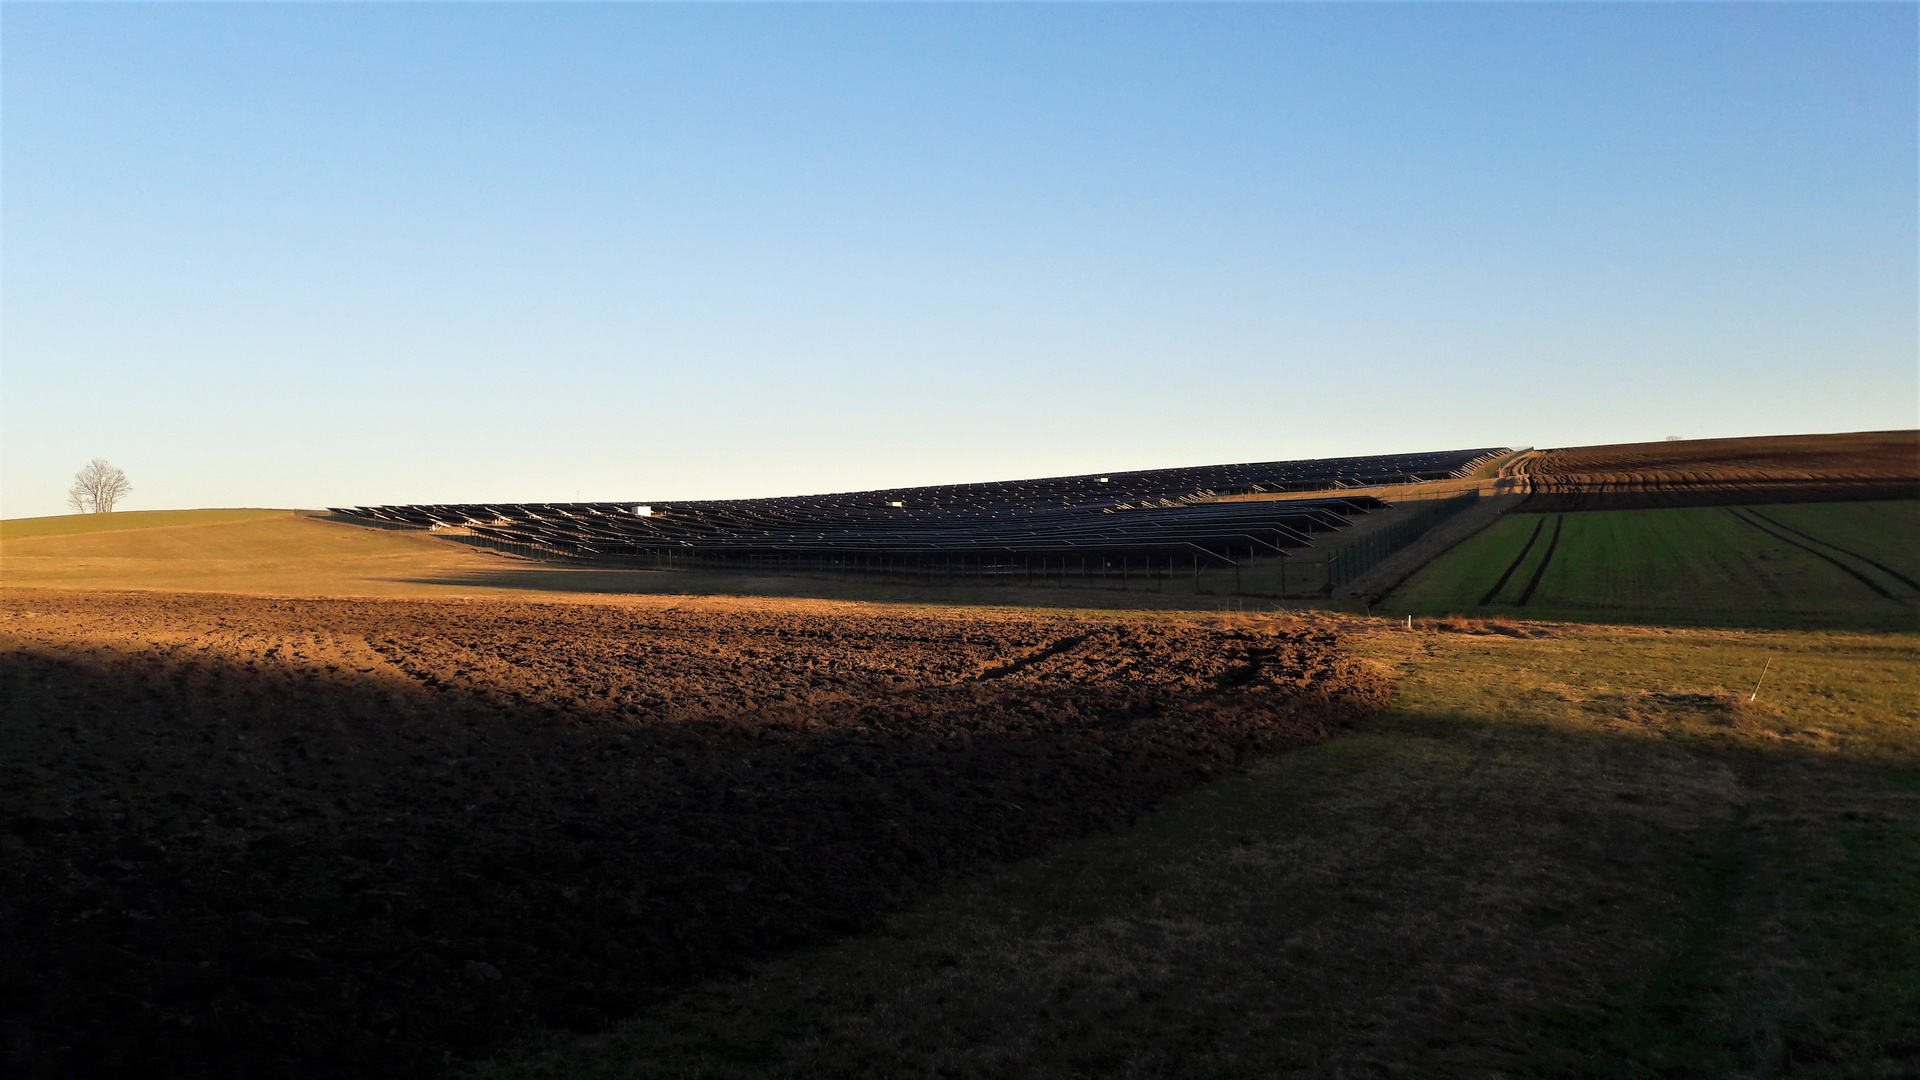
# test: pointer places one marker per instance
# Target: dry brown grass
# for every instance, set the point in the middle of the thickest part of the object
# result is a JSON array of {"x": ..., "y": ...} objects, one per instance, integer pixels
[
  {"x": 293, "y": 554},
  {"x": 277, "y": 554},
  {"x": 1502, "y": 625}
]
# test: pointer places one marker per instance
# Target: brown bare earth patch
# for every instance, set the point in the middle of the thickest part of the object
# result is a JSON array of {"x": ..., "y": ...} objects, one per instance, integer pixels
[
  {"x": 1713, "y": 472},
  {"x": 258, "y": 837}
]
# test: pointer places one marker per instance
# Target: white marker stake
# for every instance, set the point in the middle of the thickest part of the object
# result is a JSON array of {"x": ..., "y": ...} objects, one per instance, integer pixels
[{"x": 1763, "y": 678}]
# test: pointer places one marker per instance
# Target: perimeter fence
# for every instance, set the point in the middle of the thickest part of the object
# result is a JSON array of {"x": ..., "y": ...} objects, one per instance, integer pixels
[{"x": 1347, "y": 562}]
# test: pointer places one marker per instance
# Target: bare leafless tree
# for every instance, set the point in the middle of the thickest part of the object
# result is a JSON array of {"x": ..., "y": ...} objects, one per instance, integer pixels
[{"x": 97, "y": 487}]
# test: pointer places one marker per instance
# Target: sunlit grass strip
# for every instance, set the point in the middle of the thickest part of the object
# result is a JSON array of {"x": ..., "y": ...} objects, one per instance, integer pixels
[{"x": 73, "y": 524}]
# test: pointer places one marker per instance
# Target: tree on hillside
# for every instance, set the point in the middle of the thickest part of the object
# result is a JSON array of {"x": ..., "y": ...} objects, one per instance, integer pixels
[{"x": 97, "y": 487}]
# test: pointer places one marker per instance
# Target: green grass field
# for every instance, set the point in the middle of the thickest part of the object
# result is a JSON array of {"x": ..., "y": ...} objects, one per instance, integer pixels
[{"x": 1832, "y": 565}]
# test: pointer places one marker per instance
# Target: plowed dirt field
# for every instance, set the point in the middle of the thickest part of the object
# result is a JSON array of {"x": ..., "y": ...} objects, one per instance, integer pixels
[
  {"x": 254, "y": 837},
  {"x": 1726, "y": 472}
]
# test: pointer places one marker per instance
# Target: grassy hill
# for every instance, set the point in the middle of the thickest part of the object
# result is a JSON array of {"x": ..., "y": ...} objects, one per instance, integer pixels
[
  {"x": 295, "y": 553},
  {"x": 76, "y": 524},
  {"x": 280, "y": 552},
  {"x": 1817, "y": 565},
  {"x": 1840, "y": 565}
]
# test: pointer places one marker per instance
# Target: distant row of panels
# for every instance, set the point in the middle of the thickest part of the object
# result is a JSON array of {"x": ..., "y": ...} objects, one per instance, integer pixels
[{"x": 1145, "y": 512}]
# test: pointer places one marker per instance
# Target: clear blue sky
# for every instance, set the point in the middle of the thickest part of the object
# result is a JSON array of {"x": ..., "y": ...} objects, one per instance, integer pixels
[{"x": 312, "y": 255}]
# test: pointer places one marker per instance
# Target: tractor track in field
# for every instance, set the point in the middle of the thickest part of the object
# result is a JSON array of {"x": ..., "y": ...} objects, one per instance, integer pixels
[
  {"x": 1515, "y": 564},
  {"x": 1724, "y": 472},
  {"x": 1022, "y": 663},
  {"x": 1876, "y": 564},
  {"x": 1830, "y": 560},
  {"x": 1553, "y": 545}
]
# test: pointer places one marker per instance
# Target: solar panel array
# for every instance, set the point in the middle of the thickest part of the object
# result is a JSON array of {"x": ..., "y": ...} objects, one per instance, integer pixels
[{"x": 1152, "y": 514}]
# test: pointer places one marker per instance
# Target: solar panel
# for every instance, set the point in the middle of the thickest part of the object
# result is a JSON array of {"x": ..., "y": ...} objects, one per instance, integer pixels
[{"x": 1158, "y": 513}]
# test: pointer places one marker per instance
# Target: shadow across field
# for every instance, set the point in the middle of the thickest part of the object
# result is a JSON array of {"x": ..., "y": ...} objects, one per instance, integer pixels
[
  {"x": 311, "y": 838},
  {"x": 1571, "y": 853},
  {"x": 528, "y": 577}
]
